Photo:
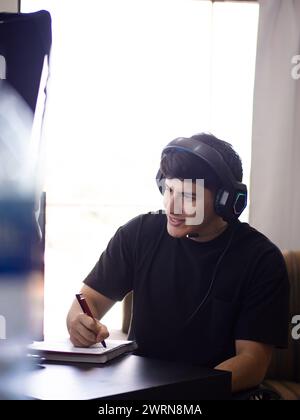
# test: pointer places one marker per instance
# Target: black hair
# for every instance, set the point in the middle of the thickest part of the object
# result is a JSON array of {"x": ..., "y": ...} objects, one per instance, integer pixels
[{"x": 185, "y": 165}]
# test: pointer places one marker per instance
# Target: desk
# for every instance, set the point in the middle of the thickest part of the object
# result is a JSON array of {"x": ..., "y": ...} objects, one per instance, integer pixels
[{"x": 128, "y": 377}]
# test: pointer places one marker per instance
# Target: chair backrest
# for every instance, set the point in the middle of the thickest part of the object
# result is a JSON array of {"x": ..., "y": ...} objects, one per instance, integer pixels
[
  {"x": 127, "y": 312},
  {"x": 285, "y": 363}
]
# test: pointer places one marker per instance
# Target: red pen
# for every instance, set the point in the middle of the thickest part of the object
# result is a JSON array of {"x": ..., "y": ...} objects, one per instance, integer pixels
[{"x": 85, "y": 308}]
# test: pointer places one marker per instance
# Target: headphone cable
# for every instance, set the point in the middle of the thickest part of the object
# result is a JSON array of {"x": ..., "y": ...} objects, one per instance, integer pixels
[{"x": 213, "y": 276}]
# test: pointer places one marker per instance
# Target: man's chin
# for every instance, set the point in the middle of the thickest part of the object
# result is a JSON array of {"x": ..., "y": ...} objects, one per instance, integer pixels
[{"x": 179, "y": 232}]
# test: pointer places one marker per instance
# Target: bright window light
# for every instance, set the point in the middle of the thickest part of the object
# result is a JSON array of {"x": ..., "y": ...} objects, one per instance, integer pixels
[{"x": 128, "y": 76}]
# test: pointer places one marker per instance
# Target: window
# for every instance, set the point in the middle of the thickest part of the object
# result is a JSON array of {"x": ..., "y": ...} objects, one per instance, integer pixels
[{"x": 126, "y": 78}]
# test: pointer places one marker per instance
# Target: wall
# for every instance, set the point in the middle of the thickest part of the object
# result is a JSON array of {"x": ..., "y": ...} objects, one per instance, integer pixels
[{"x": 9, "y": 5}]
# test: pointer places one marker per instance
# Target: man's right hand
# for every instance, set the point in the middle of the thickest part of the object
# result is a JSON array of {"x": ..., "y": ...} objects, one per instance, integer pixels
[{"x": 84, "y": 331}]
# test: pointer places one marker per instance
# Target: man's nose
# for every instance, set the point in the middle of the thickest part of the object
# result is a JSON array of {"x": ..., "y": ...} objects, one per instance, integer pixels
[{"x": 175, "y": 205}]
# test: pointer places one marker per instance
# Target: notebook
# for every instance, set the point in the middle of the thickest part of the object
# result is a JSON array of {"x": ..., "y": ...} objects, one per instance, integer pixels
[{"x": 64, "y": 351}]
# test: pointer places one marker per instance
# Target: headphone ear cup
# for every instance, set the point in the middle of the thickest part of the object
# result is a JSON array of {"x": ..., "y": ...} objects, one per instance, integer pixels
[
  {"x": 240, "y": 202},
  {"x": 223, "y": 207},
  {"x": 229, "y": 205},
  {"x": 218, "y": 208}
]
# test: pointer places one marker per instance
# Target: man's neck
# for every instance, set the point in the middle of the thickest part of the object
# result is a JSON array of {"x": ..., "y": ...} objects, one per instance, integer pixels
[{"x": 210, "y": 232}]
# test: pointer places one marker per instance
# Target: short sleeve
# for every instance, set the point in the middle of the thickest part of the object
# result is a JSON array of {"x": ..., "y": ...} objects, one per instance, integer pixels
[
  {"x": 113, "y": 274},
  {"x": 264, "y": 313}
]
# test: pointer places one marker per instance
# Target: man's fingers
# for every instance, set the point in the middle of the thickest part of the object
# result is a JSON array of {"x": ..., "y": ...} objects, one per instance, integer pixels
[
  {"x": 89, "y": 323},
  {"x": 78, "y": 340},
  {"x": 86, "y": 333},
  {"x": 102, "y": 334}
]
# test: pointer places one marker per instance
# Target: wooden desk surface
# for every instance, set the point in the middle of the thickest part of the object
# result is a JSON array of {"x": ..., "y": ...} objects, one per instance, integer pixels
[{"x": 128, "y": 377}]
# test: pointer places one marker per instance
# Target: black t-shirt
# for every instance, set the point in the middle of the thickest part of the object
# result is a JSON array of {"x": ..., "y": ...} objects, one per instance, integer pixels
[{"x": 172, "y": 277}]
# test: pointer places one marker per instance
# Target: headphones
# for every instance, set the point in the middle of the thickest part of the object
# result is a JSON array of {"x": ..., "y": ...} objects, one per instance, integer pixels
[{"x": 231, "y": 198}]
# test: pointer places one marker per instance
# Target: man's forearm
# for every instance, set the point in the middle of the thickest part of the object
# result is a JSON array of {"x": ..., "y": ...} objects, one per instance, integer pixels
[{"x": 246, "y": 371}]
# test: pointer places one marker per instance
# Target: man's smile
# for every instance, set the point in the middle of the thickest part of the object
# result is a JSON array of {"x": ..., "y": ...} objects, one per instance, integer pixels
[{"x": 174, "y": 221}]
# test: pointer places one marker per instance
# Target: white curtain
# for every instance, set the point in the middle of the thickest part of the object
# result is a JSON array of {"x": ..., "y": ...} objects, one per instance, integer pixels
[{"x": 275, "y": 168}]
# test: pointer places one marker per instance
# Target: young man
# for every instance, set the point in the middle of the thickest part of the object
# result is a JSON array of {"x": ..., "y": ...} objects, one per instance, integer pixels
[{"x": 213, "y": 293}]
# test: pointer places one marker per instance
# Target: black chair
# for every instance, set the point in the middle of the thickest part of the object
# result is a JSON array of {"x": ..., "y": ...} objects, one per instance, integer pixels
[{"x": 255, "y": 394}]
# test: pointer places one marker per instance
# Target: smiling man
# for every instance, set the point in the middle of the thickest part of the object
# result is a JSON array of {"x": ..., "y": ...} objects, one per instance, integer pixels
[{"x": 208, "y": 289}]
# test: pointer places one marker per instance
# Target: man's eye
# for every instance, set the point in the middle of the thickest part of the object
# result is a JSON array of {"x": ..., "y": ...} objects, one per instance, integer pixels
[{"x": 189, "y": 197}]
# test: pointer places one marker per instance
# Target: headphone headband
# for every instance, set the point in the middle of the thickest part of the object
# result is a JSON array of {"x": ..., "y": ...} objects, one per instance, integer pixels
[{"x": 210, "y": 155}]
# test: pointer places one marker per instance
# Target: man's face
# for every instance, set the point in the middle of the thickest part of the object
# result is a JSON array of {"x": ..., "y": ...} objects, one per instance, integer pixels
[{"x": 189, "y": 206}]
